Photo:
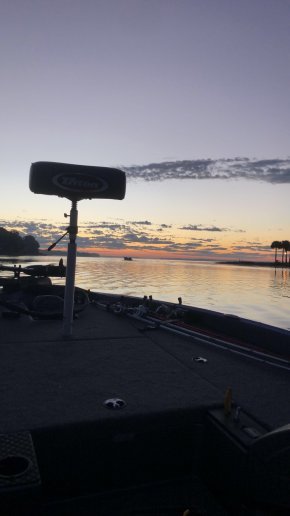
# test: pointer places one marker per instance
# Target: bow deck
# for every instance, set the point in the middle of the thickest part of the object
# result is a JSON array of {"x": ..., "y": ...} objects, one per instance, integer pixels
[{"x": 54, "y": 391}]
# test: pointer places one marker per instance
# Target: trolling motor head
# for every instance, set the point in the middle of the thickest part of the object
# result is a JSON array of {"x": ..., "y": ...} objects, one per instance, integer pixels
[{"x": 75, "y": 182}]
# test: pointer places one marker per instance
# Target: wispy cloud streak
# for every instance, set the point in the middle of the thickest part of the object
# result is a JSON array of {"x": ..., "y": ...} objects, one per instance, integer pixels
[
  {"x": 270, "y": 171},
  {"x": 199, "y": 227},
  {"x": 214, "y": 229}
]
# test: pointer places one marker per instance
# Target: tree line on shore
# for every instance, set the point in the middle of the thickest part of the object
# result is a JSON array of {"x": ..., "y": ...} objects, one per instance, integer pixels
[
  {"x": 11, "y": 243},
  {"x": 284, "y": 247}
]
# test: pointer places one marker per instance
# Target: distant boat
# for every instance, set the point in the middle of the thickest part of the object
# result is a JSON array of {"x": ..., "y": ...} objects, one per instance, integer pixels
[{"x": 128, "y": 258}]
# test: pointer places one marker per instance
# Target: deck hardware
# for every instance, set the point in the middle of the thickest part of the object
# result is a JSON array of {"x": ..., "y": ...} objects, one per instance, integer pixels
[
  {"x": 202, "y": 360},
  {"x": 237, "y": 414},
  {"x": 228, "y": 399},
  {"x": 149, "y": 328},
  {"x": 115, "y": 403},
  {"x": 251, "y": 432},
  {"x": 141, "y": 311}
]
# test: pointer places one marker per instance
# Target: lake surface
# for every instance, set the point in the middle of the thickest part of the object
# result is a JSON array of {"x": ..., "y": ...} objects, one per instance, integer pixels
[{"x": 257, "y": 293}]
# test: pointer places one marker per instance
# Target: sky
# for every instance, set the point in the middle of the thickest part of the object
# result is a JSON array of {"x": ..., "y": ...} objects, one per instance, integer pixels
[{"x": 191, "y": 98}]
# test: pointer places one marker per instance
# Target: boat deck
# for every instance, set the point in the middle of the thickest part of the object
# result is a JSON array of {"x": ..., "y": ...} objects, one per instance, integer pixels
[
  {"x": 49, "y": 381},
  {"x": 54, "y": 391}
]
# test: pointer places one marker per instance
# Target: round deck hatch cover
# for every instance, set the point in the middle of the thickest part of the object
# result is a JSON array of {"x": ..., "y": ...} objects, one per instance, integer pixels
[{"x": 114, "y": 403}]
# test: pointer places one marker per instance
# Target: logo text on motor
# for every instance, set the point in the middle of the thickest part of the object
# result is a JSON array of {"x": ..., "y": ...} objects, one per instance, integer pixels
[{"x": 80, "y": 183}]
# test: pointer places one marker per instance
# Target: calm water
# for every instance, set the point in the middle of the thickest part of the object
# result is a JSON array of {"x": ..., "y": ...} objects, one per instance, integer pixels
[{"x": 258, "y": 293}]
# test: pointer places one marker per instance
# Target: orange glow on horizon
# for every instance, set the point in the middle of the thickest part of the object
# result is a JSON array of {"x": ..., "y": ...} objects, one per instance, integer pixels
[{"x": 197, "y": 255}]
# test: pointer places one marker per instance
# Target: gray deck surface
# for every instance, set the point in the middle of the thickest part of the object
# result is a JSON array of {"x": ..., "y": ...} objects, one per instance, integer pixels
[
  {"x": 88, "y": 456},
  {"x": 47, "y": 381}
]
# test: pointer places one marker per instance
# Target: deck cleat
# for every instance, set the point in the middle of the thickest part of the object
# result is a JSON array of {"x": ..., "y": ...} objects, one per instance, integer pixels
[
  {"x": 202, "y": 360},
  {"x": 114, "y": 403}
]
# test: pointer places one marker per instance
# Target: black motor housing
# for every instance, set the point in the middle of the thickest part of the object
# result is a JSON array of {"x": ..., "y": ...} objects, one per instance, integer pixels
[{"x": 76, "y": 182}]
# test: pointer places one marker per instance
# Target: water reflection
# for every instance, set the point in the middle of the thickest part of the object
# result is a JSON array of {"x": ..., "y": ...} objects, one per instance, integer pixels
[{"x": 258, "y": 293}]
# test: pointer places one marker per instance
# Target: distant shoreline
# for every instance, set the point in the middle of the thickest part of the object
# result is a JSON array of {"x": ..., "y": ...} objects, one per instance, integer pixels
[{"x": 248, "y": 263}]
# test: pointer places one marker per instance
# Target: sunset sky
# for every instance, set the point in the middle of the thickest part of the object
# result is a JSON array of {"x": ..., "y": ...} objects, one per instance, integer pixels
[{"x": 191, "y": 98}]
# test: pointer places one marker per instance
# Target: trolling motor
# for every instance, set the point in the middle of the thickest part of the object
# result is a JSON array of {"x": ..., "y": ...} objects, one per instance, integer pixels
[{"x": 75, "y": 182}]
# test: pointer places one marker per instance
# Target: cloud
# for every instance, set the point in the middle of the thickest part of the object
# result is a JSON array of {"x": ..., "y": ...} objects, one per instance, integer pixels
[
  {"x": 138, "y": 236},
  {"x": 193, "y": 246},
  {"x": 252, "y": 246},
  {"x": 215, "y": 229},
  {"x": 109, "y": 225},
  {"x": 199, "y": 227},
  {"x": 132, "y": 237},
  {"x": 203, "y": 240},
  {"x": 108, "y": 242},
  {"x": 142, "y": 222},
  {"x": 270, "y": 171}
]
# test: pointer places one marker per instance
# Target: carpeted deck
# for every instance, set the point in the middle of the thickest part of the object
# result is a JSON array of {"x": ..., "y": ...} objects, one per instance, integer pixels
[{"x": 55, "y": 389}]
